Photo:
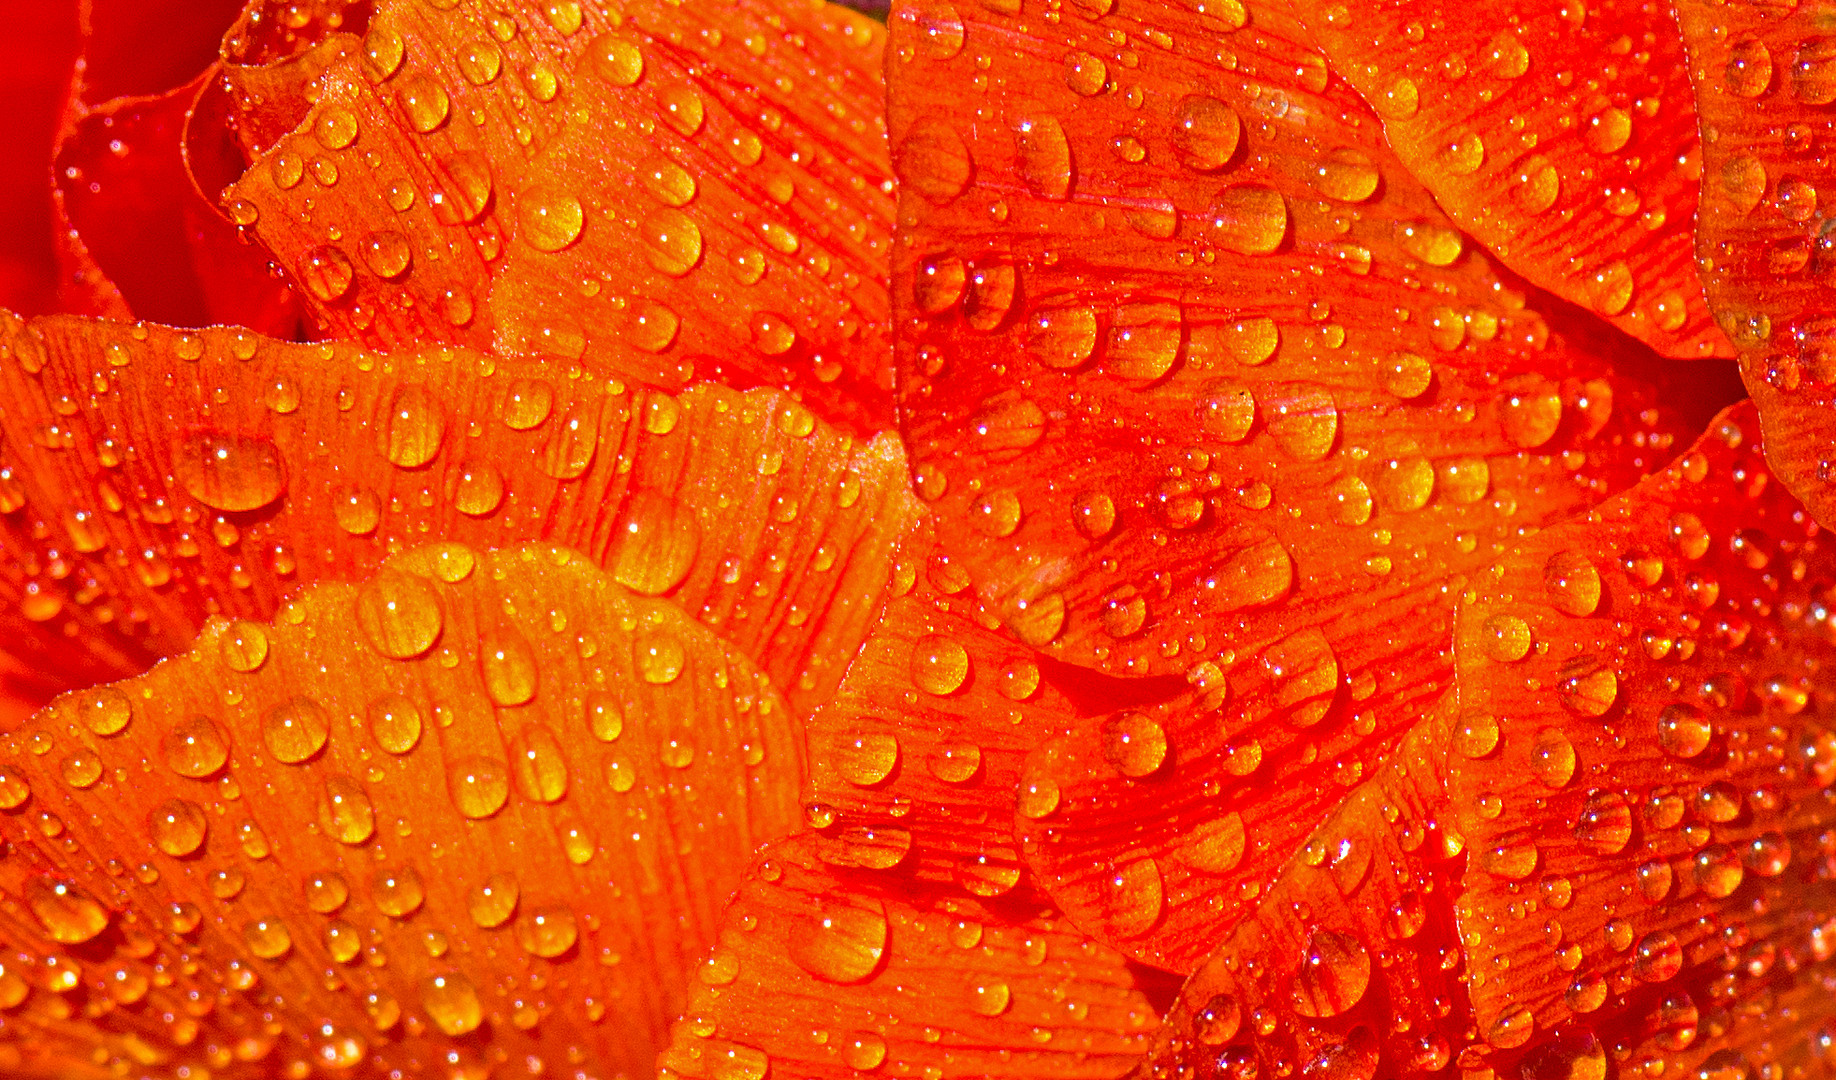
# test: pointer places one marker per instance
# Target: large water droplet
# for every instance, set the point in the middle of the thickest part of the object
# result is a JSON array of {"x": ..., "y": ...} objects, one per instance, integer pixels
[
  {"x": 841, "y": 943},
  {"x": 230, "y": 472}
]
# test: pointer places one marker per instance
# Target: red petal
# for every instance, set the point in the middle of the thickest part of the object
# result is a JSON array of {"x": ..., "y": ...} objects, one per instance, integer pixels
[
  {"x": 1349, "y": 965},
  {"x": 482, "y": 804},
  {"x": 896, "y": 979},
  {"x": 36, "y": 57},
  {"x": 915, "y": 764},
  {"x": 153, "y": 477},
  {"x": 1561, "y": 138},
  {"x": 480, "y": 189},
  {"x": 1640, "y": 772},
  {"x": 1155, "y": 454},
  {"x": 147, "y": 238},
  {"x": 1759, "y": 75},
  {"x": 137, "y": 49}
]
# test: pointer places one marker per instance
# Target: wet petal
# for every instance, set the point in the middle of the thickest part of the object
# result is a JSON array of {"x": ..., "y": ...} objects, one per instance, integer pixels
[
  {"x": 1156, "y": 446},
  {"x": 1342, "y": 970},
  {"x": 136, "y": 511},
  {"x": 1761, "y": 77},
  {"x": 1645, "y": 838},
  {"x": 479, "y": 167},
  {"x": 888, "y": 976},
  {"x": 1562, "y": 138},
  {"x": 481, "y": 803},
  {"x": 916, "y": 763}
]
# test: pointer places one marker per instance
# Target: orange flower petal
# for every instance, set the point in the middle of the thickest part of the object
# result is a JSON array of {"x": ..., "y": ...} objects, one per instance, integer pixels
[
  {"x": 1155, "y": 446},
  {"x": 894, "y": 979},
  {"x": 154, "y": 477},
  {"x": 1761, "y": 78},
  {"x": 482, "y": 804},
  {"x": 480, "y": 168},
  {"x": 1640, "y": 773},
  {"x": 1560, "y": 137},
  {"x": 142, "y": 238},
  {"x": 1348, "y": 966},
  {"x": 915, "y": 764}
]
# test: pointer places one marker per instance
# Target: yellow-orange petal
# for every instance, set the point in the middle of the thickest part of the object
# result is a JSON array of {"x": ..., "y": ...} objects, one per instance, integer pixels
[
  {"x": 1562, "y": 139},
  {"x": 153, "y": 477},
  {"x": 288, "y": 850},
  {"x": 662, "y": 193},
  {"x": 1645, "y": 836},
  {"x": 830, "y": 973}
]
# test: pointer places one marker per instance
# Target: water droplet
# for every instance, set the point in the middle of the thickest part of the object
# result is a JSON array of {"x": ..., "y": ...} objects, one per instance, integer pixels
[
  {"x": 195, "y": 747},
  {"x": 1608, "y": 130},
  {"x": 1250, "y": 219},
  {"x": 1205, "y": 132},
  {"x": 548, "y": 931},
  {"x": 1303, "y": 421},
  {"x": 345, "y": 811},
  {"x": 452, "y": 1004},
  {"x": 1085, "y": 74},
  {"x": 267, "y": 939},
  {"x": 615, "y": 60},
  {"x": 325, "y": 892},
  {"x": 508, "y": 666},
  {"x": 395, "y": 723},
  {"x": 1572, "y": 583},
  {"x": 552, "y": 219},
  {"x": 1683, "y": 731},
  {"x": 327, "y": 272},
  {"x": 1134, "y": 744},
  {"x": 1749, "y": 70},
  {"x": 660, "y": 658},
  {"x": 1604, "y": 825},
  {"x": 1505, "y": 638},
  {"x": 397, "y": 892},
  {"x": 178, "y": 827},
  {"x": 1552, "y": 757},
  {"x": 1062, "y": 338},
  {"x": 1658, "y": 957},
  {"x": 1044, "y": 156},
  {"x": 938, "y": 665},
  {"x": 69, "y": 916},
  {"x": 1333, "y": 975},
  {"x": 103, "y": 710},
  {"x": 492, "y": 903},
  {"x": 541, "y": 767},
  {"x": 230, "y": 472},
  {"x": 1506, "y": 57},
  {"x": 295, "y": 730},
  {"x": 933, "y": 160},
  {"x": 386, "y": 253},
  {"x": 672, "y": 241},
  {"x": 479, "y": 785},
  {"x": 841, "y": 943},
  {"x": 424, "y": 102},
  {"x": 1144, "y": 340},
  {"x": 1530, "y": 418},
  {"x": 864, "y": 1051},
  {"x": 1257, "y": 574}
]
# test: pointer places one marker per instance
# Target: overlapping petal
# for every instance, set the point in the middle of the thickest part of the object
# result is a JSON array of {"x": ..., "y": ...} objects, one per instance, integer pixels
[
  {"x": 665, "y": 193},
  {"x": 1560, "y": 136},
  {"x": 1200, "y": 382},
  {"x": 154, "y": 477},
  {"x": 482, "y": 804},
  {"x": 1642, "y": 769},
  {"x": 1761, "y": 77},
  {"x": 831, "y": 973}
]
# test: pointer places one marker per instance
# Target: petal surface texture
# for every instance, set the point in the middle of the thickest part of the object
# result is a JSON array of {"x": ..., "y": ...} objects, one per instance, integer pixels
[
  {"x": 1561, "y": 136},
  {"x": 1762, "y": 79},
  {"x": 665, "y": 191},
  {"x": 155, "y": 477},
  {"x": 1201, "y": 384},
  {"x": 483, "y": 803}
]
